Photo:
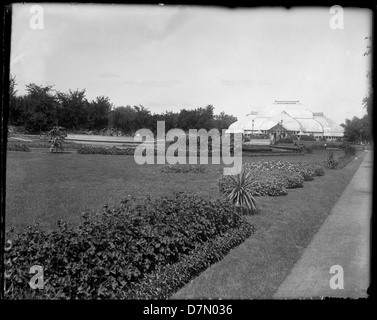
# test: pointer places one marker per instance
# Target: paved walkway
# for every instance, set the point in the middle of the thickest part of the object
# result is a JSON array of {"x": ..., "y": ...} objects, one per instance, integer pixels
[{"x": 343, "y": 240}]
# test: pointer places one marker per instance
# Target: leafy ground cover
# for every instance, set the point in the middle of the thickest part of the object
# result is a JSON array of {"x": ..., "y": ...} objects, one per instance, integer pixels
[
  {"x": 113, "y": 251},
  {"x": 18, "y": 147},
  {"x": 92, "y": 149}
]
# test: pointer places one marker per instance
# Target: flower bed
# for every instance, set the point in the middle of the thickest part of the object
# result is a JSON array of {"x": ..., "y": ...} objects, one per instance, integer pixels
[
  {"x": 263, "y": 185},
  {"x": 126, "y": 250},
  {"x": 273, "y": 178},
  {"x": 307, "y": 170}
]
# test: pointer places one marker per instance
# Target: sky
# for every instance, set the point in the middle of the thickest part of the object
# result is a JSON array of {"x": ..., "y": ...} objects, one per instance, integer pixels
[{"x": 167, "y": 58}]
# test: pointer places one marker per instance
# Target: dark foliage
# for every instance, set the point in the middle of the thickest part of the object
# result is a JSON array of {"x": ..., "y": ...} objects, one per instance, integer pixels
[{"x": 120, "y": 249}]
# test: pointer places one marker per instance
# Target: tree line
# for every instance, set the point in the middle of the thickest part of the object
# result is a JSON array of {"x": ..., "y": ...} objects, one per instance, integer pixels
[
  {"x": 358, "y": 129},
  {"x": 43, "y": 107}
]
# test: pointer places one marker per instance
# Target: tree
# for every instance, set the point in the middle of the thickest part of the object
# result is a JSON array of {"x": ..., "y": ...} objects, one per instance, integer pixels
[
  {"x": 98, "y": 112},
  {"x": 39, "y": 108},
  {"x": 143, "y": 119},
  {"x": 71, "y": 113},
  {"x": 368, "y": 100},
  {"x": 357, "y": 130},
  {"x": 223, "y": 120},
  {"x": 123, "y": 118},
  {"x": 15, "y": 106}
]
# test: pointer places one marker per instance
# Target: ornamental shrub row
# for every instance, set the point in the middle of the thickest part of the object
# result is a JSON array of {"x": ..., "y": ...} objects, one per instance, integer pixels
[
  {"x": 344, "y": 160},
  {"x": 90, "y": 149},
  {"x": 116, "y": 249},
  {"x": 18, "y": 147},
  {"x": 166, "y": 280},
  {"x": 307, "y": 170}
]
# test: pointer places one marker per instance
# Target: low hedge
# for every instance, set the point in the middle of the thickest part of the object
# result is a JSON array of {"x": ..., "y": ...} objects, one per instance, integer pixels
[
  {"x": 120, "y": 248},
  {"x": 18, "y": 147},
  {"x": 90, "y": 149},
  {"x": 307, "y": 138},
  {"x": 285, "y": 140},
  {"x": 307, "y": 170},
  {"x": 344, "y": 160},
  {"x": 166, "y": 280},
  {"x": 291, "y": 180}
]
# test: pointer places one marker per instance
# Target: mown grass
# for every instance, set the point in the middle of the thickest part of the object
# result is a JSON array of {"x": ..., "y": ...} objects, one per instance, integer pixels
[
  {"x": 50, "y": 186},
  {"x": 60, "y": 186}
]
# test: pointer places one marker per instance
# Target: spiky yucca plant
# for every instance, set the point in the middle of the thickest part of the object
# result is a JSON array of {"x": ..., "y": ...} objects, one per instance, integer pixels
[
  {"x": 239, "y": 193},
  {"x": 331, "y": 162}
]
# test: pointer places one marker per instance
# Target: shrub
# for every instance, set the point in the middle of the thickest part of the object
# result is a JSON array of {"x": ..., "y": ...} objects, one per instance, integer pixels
[
  {"x": 350, "y": 151},
  {"x": 90, "y": 149},
  {"x": 331, "y": 162},
  {"x": 166, "y": 280},
  {"x": 18, "y": 147},
  {"x": 57, "y": 136},
  {"x": 308, "y": 149},
  {"x": 285, "y": 140},
  {"x": 256, "y": 148},
  {"x": 317, "y": 169},
  {"x": 344, "y": 160},
  {"x": 307, "y": 138},
  {"x": 290, "y": 180},
  {"x": 114, "y": 250},
  {"x": 239, "y": 193}
]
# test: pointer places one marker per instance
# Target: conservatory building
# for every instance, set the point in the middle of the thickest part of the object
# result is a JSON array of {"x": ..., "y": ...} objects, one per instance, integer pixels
[{"x": 284, "y": 118}]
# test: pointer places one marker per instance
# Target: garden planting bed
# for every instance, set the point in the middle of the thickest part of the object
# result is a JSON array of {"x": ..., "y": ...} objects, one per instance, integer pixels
[{"x": 143, "y": 250}]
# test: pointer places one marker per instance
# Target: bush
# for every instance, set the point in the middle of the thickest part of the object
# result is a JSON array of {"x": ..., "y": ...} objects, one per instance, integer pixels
[
  {"x": 331, "y": 162},
  {"x": 285, "y": 140},
  {"x": 343, "y": 161},
  {"x": 18, "y": 147},
  {"x": 256, "y": 148},
  {"x": 308, "y": 149},
  {"x": 90, "y": 149},
  {"x": 307, "y": 138},
  {"x": 350, "y": 151},
  {"x": 166, "y": 280},
  {"x": 317, "y": 169},
  {"x": 291, "y": 180},
  {"x": 119, "y": 248}
]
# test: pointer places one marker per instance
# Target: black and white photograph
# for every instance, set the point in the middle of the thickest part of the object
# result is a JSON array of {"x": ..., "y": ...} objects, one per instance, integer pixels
[{"x": 187, "y": 152}]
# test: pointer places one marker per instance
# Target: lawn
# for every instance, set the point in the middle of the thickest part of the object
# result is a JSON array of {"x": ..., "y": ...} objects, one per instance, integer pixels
[{"x": 60, "y": 186}]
